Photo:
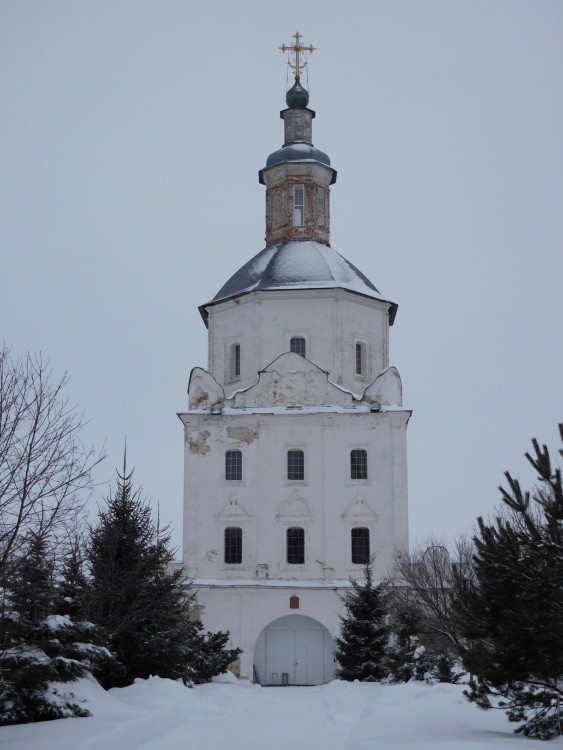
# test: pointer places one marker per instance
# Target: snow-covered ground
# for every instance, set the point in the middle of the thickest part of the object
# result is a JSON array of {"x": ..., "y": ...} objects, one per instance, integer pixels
[{"x": 158, "y": 714}]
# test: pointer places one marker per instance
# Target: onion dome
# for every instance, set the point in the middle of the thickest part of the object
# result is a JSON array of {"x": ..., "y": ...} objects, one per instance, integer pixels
[{"x": 297, "y": 96}]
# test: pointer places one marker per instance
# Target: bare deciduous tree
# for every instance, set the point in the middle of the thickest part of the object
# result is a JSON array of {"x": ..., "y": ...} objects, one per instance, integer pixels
[
  {"x": 45, "y": 471},
  {"x": 426, "y": 578}
]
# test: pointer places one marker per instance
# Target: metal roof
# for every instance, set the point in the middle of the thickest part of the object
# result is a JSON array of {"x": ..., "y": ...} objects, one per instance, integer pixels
[
  {"x": 297, "y": 152},
  {"x": 297, "y": 265}
]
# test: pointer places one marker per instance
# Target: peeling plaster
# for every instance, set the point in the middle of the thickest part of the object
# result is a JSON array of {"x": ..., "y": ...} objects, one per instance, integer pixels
[
  {"x": 198, "y": 445},
  {"x": 200, "y": 399},
  {"x": 245, "y": 434}
]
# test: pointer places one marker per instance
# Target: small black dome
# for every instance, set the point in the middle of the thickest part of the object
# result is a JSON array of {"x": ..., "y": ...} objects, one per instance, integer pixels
[{"x": 297, "y": 96}]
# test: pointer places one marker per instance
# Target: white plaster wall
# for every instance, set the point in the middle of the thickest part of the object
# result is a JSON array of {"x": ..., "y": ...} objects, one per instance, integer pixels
[
  {"x": 327, "y": 503},
  {"x": 246, "y": 611},
  {"x": 330, "y": 320}
]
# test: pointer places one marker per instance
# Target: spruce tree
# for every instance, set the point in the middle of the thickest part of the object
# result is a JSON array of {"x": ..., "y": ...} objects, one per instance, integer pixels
[
  {"x": 84, "y": 640},
  {"x": 406, "y": 625},
  {"x": 72, "y": 587},
  {"x": 511, "y": 614},
  {"x": 361, "y": 647},
  {"x": 146, "y": 608},
  {"x": 37, "y": 654}
]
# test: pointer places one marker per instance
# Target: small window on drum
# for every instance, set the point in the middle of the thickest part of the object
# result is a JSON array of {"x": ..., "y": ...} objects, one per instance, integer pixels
[
  {"x": 298, "y": 206},
  {"x": 360, "y": 358},
  {"x": 233, "y": 545},
  {"x": 298, "y": 345},
  {"x": 295, "y": 545},
  {"x": 360, "y": 546},
  {"x": 358, "y": 464}
]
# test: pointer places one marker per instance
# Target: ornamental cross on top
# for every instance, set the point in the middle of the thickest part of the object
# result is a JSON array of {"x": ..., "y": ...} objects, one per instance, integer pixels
[{"x": 297, "y": 48}]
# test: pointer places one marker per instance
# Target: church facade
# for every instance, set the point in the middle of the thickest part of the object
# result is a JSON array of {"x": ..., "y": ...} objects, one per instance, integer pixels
[{"x": 295, "y": 433}]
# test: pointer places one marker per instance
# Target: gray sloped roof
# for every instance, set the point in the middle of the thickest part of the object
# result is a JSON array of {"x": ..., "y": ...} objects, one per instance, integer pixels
[
  {"x": 297, "y": 152},
  {"x": 297, "y": 265}
]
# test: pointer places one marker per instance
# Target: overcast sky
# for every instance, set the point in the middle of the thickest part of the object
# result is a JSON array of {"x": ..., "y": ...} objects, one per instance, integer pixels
[{"x": 132, "y": 132}]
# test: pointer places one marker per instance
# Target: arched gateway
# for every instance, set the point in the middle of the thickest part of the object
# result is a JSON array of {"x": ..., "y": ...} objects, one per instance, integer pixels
[{"x": 294, "y": 650}]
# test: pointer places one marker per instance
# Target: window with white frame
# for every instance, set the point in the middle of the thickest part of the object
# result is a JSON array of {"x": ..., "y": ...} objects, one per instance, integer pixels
[
  {"x": 233, "y": 466},
  {"x": 360, "y": 358},
  {"x": 298, "y": 206},
  {"x": 295, "y": 465},
  {"x": 234, "y": 362},
  {"x": 233, "y": 545},
  {"x": 298, "y": 345},
  {"x": 358, "y": 464},
  {"x": 296, "y": 545},
  {"x": 360, "y": 545}
]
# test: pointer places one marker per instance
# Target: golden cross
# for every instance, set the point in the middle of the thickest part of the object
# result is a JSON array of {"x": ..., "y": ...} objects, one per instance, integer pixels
[{"x": 297, "y": 49}]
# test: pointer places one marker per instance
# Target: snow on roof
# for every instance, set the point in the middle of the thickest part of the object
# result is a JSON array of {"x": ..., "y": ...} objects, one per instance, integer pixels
[
  {"x": 297, "y": 265},
  {"x": 297, "y": 409},
  {"x": 270, "y": 583},
  {"x": 297, "y": 152}
]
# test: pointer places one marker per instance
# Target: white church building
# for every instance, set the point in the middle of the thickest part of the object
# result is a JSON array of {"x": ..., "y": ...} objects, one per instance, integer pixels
[{"x": 295, "y": 433}]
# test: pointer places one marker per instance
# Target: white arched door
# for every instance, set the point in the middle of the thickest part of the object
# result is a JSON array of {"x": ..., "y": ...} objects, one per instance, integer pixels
[{"x": 294, "y": 650}]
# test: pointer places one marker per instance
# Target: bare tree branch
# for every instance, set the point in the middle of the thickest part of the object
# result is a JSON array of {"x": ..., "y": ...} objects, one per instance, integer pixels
[
  {"x": 426, "y": 578},
  {"x": 45, "y": 470}
]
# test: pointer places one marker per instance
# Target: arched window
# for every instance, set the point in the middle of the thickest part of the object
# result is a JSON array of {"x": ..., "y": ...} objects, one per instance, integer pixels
[
  {"x": 360, "y": 546},
  {"x": 295, "y": 465},
  {"x": 234, "y": 362},
  {"x": 296, "y": 545},
  {"x": 233, "y": 545},
  {"x": 360, "y": 358},
  {"x": 297, "y": 345},
  {"x": 233, "y": 466},
  {"x": 298, "y": 206},
  {"x": 358, "y": 464}
]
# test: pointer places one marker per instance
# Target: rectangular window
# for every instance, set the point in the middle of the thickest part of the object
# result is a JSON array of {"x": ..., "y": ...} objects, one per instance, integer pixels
[
  {"x": 296, "y": 545},
  {"x": 295, "y": 465},
  {"x": 235, "y": 361},
  {"x": 297, "y": 345},
  {"x": 360, "y": 546},
  {"x": 233, "y": 545},
  {"x": 233, "y": 466},
  {"x": 298, "y": 206},
  {"x": 358, "y": 464},
  {"x": 360, "y": 356}
]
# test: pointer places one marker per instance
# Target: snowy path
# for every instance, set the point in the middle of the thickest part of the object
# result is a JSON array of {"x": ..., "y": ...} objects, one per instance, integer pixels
[{"x": 158, "y": 714}]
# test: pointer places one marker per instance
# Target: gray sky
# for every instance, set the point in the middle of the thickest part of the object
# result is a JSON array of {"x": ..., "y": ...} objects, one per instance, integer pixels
[{"x": 131, "y": 137}]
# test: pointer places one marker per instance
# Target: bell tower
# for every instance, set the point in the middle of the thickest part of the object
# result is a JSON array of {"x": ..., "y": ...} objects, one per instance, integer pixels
[{"x": 295, "y": 432}]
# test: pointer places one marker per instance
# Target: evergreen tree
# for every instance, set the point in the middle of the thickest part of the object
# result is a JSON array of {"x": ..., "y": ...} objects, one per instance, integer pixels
[
  {"x": 400, "y": 658},
  {"x": 511, "y": 614},
  {"x": 446, "y": 669},
  {"x": 84, "y": 640},
  {"x": 35, "y": 658},
  {"x": 361, "y": 647},
  {"x": 145, "y": 607},
  {"x": 207, "y": 655},
  {"x": 73, "y": 587}
]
